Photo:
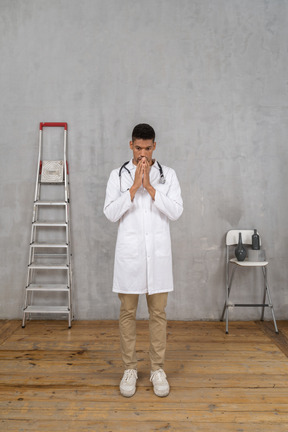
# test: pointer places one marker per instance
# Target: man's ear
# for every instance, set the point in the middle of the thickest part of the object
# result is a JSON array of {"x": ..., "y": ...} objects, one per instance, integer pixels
[
  {"x": 131, "y": 145},
  {"x": 154, "y": 145}
]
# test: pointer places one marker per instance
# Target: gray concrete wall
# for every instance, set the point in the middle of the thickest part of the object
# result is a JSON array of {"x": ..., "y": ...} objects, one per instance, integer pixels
[{"x": 209, "y": 75}]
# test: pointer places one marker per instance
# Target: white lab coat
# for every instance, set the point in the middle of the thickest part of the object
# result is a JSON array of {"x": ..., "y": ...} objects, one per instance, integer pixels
[{"x": 143, "y": 258}]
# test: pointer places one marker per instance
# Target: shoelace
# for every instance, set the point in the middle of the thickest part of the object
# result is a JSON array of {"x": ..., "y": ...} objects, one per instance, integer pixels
[
  {"x": 130, "y": 373},
  {"x": 158, "y": 375}
]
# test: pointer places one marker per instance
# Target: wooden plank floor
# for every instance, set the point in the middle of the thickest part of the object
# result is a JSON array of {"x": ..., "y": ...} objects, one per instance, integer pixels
[{"x": 55, "y": 379}]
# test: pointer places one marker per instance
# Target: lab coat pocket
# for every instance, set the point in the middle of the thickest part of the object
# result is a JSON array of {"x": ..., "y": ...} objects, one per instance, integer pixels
[
  {"x": 162, "y": 244},
  {"x": 127, "y": 246}
]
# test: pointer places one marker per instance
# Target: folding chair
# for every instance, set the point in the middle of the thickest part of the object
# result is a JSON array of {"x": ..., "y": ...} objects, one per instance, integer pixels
[{"x": 232, "y": 264}]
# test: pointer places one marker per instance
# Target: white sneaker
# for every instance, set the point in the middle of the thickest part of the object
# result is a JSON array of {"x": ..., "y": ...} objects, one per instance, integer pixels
[
  {"x": 160, "y": 383},
  {"x": 128, "y": 383}
]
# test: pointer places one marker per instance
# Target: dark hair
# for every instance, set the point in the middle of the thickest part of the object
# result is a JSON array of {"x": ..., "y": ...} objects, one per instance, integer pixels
[{"x": 143, "y": 131}]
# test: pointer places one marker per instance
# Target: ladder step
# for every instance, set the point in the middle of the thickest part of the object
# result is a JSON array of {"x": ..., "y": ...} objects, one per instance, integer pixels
[
  {"x": 49, "y": 224},
  {"x": 49, "y": 245},
  {"x": 50, "y": 203},
  {"x": 48, "y": 266},
  {"x": 48, "y": 287},
  {"x": 52, "y": 183},
  {"x": 47, "y": 309},
  {"x": 49, "y": 256}
]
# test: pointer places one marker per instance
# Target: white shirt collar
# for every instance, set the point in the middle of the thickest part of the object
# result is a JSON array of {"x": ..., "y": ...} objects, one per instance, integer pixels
[{"x": 131, "y": 165}]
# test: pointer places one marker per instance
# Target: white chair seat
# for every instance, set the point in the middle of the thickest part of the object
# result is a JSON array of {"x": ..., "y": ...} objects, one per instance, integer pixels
[{"x": 247, "y": 263}]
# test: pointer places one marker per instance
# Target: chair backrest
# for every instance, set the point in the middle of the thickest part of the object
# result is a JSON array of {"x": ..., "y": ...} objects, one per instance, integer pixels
[{"x": 232, "y": 237}]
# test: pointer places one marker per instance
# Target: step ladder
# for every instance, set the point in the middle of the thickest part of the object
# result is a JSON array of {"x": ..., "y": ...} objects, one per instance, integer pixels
[{"x": 49, "y": 275}]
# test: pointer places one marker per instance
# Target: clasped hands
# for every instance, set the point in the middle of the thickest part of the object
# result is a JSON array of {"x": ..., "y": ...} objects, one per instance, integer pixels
[{"x": 142, "y": 178}]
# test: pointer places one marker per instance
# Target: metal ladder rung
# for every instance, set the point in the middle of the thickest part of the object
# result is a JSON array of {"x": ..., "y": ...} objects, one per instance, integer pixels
[
  {"x": 48, "y": 266},
  {"x": 49, "y": 245},
  {"x": 49, "y": 224},
  {"x": 52, "y": 183},
  {"x": 50, "y": 256},
  {"x": 47, "y": 287},
  {"x": 50, "y": 203},
  {"x": 47, "y": 309}
]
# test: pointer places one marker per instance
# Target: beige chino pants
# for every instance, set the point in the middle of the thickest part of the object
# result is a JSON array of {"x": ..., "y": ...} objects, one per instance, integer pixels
[{"x": 157, "y": 329}]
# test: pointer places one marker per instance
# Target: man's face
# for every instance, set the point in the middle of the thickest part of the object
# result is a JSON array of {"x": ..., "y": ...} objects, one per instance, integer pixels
[{"x": 142, "y": 148}]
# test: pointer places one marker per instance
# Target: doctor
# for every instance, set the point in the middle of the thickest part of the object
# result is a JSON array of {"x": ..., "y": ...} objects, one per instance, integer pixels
[{"x": 142, "y": 196}]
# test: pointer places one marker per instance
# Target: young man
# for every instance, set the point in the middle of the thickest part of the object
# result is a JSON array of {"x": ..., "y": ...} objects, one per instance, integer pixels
[{"x": 143, "y": 196}]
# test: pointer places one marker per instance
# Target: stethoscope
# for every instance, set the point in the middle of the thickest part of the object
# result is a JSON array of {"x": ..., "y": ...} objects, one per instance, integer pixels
[{"x": 161, "y": 180}]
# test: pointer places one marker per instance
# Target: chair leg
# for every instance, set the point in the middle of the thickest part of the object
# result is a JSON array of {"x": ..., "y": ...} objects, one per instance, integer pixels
[
  {"x": 227, "y": 319},
  {"x": 224, "y": 310},
  {"x": 264, "y": 295},
  {"x": 226, "y": 299},
  {"x": 226, "y": 305},
  {"x": 270, "y": 300}
]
